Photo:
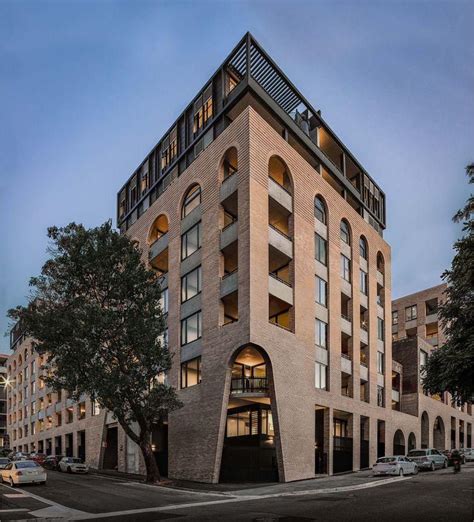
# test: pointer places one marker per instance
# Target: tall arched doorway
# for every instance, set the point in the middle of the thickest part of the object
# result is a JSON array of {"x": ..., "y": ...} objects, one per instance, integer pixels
[
  {"x": 249, "y": 452},
  {"x": 399, "y": 443},
  {"x": 411, "y": 441},
  {"x": 439, "y": 436},
  {"x": 425, "y": 430}
]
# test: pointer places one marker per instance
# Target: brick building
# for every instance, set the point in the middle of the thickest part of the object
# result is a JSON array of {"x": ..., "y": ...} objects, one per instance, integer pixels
[
  {"x": 416, "y": 332},
  {"x": 4, "y": 442},
  {"x": 267, "y": 236}
]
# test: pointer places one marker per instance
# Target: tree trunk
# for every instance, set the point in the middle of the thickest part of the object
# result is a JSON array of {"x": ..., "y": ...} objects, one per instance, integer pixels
[{"x": 152, "y": 471}]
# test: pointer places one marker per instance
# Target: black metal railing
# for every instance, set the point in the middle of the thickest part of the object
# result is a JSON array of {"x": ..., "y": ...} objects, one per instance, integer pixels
[{"x": 249, "y": 385}]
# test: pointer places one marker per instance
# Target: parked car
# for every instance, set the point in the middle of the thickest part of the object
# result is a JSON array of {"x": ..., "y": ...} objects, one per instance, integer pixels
[
  {"x": 448, "y": 454},
  {"x": 468, "y": 454},
  {"x": 4, "y": 461},
  {"x": 52, "y": 462},
  {"x": 73, "y": 465},
  {"x": 395, "y": 465},
  {"x": 23, "y": 472},
  {"x": 20, "y": 456},
  {"x": 38, "y": 457},
  {"x": 428, "y": 458}
]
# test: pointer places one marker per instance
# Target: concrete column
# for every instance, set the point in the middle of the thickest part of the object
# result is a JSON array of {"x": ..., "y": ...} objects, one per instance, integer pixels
[
  {"x": 328, "y": 437},
  {"x": 355, "y": 441},
  {"x": 372, "y": 440},
  {"x": 457, "y": 444}
]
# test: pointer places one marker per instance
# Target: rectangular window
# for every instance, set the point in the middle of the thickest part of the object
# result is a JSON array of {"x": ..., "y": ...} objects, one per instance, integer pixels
[
  {"x": 320, "y": 376},
  {"x": 202, "y": 110},
  {"x": 410, "y": 313},
  {"x": 395, "y": 317},
  {"x": 423, "y": 358},
  {"x": 380, "y": 329},
  {"x": 321, "y": 333},
  {"x": 191, "y": 372},
  {"x": 345, "y": 268},
  {"x": 169, "y": 148},
  {"x": 95, "y": 408},
  {"x": 364, "y": 282},
  {"x": 380, "y": 396},
  {"x": 380, "y": 363},
  {"x": 191, "y": 284},
  {"x": 321, "y": 291},
  {"x": 320, "y": 246},
  {"x": 191, "y": 241},
  {"x": 164, "y": 300},
  {"x": 191, "y": 328}
]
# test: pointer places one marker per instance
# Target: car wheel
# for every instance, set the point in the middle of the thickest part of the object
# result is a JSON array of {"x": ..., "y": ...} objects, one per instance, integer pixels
[
  {"x": 69, "y": 470},
  {"x": 415, "y": 470},
  {"x": 432, "y": 466}
]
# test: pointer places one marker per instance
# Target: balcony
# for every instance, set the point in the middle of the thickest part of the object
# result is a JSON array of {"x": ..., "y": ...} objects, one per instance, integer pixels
[
  {"x": 249, "y": 386},
  {"x": 229, "y": 186},
  {"x": 346, "y": 325},
  {"x": 229, "y": 234},
  {"x": 432, "y": 317},
  {"x": 380, "y": 311},
  {"x": 280, "y": 289},
  {"x": 432, "y": 339},
  {"x": 280, "y": 195},
  {"x": 364, "y": 335},
  {"x": 229, "y": 283},
  {"x": 395, "y": 395},
  {"x": 346, "y": 364},
  {"x": 158, "y": 247},
  {"x": 279, "y": 240},
  {"x": 364, "y": 372},
  {"x": 380, "y": 278}
]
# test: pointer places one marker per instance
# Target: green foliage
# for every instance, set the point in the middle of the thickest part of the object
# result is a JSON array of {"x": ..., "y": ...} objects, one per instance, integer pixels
[
  {"x": 95, "y": 312},
  {"x": 450, "y": 368}
]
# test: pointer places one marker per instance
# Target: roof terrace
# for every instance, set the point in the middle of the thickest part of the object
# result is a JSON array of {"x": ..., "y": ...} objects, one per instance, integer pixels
[{"x": 250, "y": 77}]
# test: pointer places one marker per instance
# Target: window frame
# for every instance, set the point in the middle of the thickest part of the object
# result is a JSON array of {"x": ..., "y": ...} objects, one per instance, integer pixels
[
  {"x": 344, "y": 232},
  {"x": 184, "y": 372},
  {"x": 184, "y": 241},
  {"x": 318, "y": 293},
  {"x": 321, "y": 210},
  {"x": 409, "y": 316},
  {"x": 184, "y": 333},
  {"x": 184, "y": 280},
  {"x": 321, "y": 333},
  {"x": 320, "y": 376},
  {"x": 194, "y": 192},
  {"x": 346, "y": 268},
  {"x": 363, "y": 250},
  {"x": 364, "y": 282},
  {"x": 318, "y": 242}
]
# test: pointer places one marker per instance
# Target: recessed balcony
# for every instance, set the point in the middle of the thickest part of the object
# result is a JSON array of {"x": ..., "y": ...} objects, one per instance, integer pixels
[
  {"x": 395, "y": 395},
  {"x": 229, "y": 283},
  {"x": 280, "y": 289},
  {"x": 229, "y": 234},
  {"x": 346, "y": 325},
  {"x": 364, "y": 372},
  {"x": 157, "y": 247},
  {"x": 346, "y": 364},
  {"x": 380, "y": 278},
  {"x": 280, "y": 241},
  {"x": 249, "y": 386},
  {"x": 280, "y": 195}
]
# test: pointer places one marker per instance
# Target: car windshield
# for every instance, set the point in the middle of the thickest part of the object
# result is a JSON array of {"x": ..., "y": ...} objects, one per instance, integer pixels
[
  {"x": 4, "y": 461},
  {"x": 26, "y": 464},
  {"x": 76, "y": 461},
  {"x": 384, "y": 460},
  {"x": 417, "y": 453}
]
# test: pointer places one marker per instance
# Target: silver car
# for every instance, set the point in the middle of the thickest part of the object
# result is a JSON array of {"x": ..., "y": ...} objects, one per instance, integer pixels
[
  {"x": 396, "y": 465},
  {"x": 428, "y": 458}
]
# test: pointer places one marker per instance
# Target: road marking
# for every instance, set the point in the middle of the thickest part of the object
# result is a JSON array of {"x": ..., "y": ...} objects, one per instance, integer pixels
[
  {"x": 15, "y": 495},
  {"x": 12, "y": 510},
  {"x": 247, "y": 498},
  {"x": 179, "y": 490}
]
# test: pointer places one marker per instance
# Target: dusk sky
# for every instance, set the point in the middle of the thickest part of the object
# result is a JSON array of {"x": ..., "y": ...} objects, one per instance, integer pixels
[{"x": 88, "y": 87}]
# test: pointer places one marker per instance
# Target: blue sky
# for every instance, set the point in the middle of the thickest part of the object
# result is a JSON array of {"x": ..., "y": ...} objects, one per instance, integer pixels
[{"x": 88, "y": 87}]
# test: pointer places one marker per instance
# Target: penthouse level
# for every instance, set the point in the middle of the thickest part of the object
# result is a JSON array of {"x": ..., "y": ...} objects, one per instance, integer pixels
[{"x": 250, "y": 77}]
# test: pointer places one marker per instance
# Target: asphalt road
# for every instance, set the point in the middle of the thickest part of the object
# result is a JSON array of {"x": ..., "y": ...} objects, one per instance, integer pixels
[{"x": 431, "y": 496}]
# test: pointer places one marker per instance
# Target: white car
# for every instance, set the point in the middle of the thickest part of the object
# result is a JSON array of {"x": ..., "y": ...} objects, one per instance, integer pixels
[
  {"x": 4, "y": 461},
  {"x": 469, "y": 454},
  {"x": 395, "y": 465},
  {"x": 23, "y": 472},
  {"x": 72, "y": 465}
]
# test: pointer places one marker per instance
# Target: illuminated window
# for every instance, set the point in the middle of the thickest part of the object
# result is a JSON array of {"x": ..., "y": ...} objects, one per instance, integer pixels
[
  {"x": 81, "y": 411},
  {"x": 95, "y": 408},
  {"x": 191, "y": 372},
  {"x": 191, "y": 328},
  {"x": 169, "y": 148},
  {"x": 191, "y": 201},
  {"x": 203, "y": 109}
]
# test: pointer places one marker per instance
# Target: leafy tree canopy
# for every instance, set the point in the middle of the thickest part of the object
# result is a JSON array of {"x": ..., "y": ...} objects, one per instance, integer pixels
[
  {"x": 95, "y": 313},
  {"x": 450, "y": 368}
]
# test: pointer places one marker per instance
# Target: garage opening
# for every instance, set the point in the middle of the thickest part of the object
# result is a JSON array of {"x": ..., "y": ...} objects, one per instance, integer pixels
[
  {"x": 111, "y": 449},
  {"x": 399, "y": 443}
]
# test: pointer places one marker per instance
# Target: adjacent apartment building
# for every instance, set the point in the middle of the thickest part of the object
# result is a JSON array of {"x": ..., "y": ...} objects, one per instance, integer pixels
[
  {"x": 416, "y": 331},
  {"x": 267, "y": 236},
  {"x": 4, "y": 442}
]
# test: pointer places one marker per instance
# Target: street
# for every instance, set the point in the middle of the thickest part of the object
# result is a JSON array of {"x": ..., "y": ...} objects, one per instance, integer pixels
[{"x": 433, "y": 496}]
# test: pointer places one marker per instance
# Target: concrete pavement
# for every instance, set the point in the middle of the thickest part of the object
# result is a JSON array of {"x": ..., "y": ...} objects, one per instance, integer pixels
[{"x": 438, "y": 496}]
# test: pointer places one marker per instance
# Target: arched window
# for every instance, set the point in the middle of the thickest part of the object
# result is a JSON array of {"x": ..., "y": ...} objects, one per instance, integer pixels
[
  {"x": 345, "y": 234},
  {"x": 20, "y": 360},
  {"x": 279, "y": 173},
  {"x": 158, "y": 229},
  {"x": 320, "y": 210},
  {"x": 380, "y": 263},
  {"x": 191, "y": 201},
  {"x": 230, "y": 163},
  {"x": 363, "y": 247}
]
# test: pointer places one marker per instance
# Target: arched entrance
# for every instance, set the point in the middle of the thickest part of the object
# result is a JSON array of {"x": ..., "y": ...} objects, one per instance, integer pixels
[
  {"x": 439, "y": 439},
  {"x": 399, "y": 443},
  {"x": 249, "y": 452},
  {"x": 411, "y": 441},
  {"x": 425, "y": 430}
]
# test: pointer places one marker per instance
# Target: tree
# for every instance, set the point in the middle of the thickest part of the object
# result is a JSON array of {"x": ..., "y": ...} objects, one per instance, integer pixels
[
  {"x": 450, "y": 367},
  {"x": 95, "y": 313}
]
